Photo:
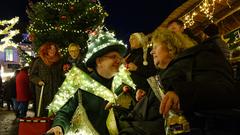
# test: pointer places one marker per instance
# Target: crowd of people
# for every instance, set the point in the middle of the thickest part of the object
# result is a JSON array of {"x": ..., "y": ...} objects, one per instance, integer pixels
[{"x": 195, "y": 76}]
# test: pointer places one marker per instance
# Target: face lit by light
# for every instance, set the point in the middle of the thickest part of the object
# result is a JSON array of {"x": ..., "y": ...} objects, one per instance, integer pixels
[
  {"x": 52, "y": 51},
  {"x": 161, "y": 55},
  {"x": 110, "y": 63},
  {"x": 74, "y": 51},
  {"x": 134, "y": 42}
]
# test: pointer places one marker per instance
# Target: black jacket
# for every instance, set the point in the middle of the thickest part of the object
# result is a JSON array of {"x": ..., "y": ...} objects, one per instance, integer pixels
[{"x": 202, "y": 78}]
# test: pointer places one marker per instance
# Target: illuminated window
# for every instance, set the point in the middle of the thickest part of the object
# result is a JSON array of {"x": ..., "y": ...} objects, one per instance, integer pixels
[{"x": 8, "y": 54}]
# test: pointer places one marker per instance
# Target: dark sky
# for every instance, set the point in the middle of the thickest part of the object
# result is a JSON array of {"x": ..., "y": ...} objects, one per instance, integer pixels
[{"x": 125, "y": 16}]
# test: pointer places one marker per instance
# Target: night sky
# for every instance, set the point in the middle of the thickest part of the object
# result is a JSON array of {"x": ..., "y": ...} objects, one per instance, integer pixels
[{"x": 125, "y": 16}]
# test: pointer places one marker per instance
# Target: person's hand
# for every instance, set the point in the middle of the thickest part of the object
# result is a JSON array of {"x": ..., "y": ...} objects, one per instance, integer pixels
[
  {"x": 169, "y": 101},
  {"x": 56, "y": 130},
  {"x": 66, "y": 67},
  {"x": 108, "y": 106},
  {"x": 140, "y": 94},
  {"x": 131, "y": 67},
  {"x": 41, "y": 83}
]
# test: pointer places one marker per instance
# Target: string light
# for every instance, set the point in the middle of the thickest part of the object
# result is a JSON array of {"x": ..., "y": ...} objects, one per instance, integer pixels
[
  {"x": 100, "y": 41},
  {"x": 76, "y": 79},
  {"x": 7, "y": 40},
  {"x": 207, "y": 7},
  {"x": 73, "y": 18},
  {"x": 64, "y": 27}
]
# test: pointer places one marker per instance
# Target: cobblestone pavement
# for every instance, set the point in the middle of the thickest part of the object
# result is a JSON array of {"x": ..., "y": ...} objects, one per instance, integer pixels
[
  {"x": 8, "y": 124},
  {"x": 8, "y": 121}
]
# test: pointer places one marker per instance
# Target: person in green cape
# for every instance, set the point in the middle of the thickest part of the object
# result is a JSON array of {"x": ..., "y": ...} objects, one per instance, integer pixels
[{"x": 104, "y": 56}]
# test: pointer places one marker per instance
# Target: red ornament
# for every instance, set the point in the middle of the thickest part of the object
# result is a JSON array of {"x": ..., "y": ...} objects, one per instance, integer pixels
[
  {"x": 91, "y": 32},
  {"x": 63, "y": 17},
  {"x": 31, "y": 37}
]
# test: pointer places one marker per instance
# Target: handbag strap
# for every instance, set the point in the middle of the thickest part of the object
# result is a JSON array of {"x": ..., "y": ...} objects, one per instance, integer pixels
[{"x": 79, "y": 97}]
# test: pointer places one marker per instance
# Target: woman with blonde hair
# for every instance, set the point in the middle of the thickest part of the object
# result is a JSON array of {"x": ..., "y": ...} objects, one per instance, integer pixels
[
  {"x": 139, "y": 61},
  {"x": 196, "y": 79}
]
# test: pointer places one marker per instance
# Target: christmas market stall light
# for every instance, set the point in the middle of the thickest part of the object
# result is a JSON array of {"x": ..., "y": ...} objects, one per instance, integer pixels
[{"x": 207, "y": 7}]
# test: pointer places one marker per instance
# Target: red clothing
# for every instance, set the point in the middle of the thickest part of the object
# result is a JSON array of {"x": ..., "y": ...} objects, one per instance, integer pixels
[{"x": 23, "y": 92}]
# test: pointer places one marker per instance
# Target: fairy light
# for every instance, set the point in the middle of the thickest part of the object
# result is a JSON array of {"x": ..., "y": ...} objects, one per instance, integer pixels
[
  {"x": 100, "y": 41},
  {"x": 7, "y": 40},
  {"x": 64, "y": 27},
  {"x": 123, "y": 76},
  {"x": 207, "y": 7},
  {"x": 76, "y": 79},
  {"x": 70, "y": 17}
]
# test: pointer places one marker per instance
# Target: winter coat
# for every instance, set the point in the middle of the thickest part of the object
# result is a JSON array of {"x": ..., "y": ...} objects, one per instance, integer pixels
[
  {"x": 9, "y": 88},
  {"x": 144, "y": 118},
  {"x": 223, "y": 45},
  {"x": 202, "y": 78},
  {"x": 94, "y": 106},
  {"x": 52, "y": 76},
  {"x": 22, "y": 87}
]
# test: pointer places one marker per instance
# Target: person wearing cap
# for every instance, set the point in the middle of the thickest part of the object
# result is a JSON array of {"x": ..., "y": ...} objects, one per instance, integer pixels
[{"x": 104, "y": 56}]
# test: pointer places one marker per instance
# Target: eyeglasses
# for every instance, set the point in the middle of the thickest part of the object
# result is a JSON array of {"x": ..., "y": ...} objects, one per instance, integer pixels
[{"x": 114, "y": 57}]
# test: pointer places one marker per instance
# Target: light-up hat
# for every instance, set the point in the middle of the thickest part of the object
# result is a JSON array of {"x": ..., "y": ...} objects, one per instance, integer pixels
[{"x": 102, "y": 43}]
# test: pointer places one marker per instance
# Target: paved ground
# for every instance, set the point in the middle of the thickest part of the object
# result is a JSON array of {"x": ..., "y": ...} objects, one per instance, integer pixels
[
  {"x": 8, "y": 121},
  {"x": 8, "y": 124}
]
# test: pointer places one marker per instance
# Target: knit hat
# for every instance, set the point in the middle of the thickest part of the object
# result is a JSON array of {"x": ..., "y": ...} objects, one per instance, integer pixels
[{"x": 102, "y": 43}]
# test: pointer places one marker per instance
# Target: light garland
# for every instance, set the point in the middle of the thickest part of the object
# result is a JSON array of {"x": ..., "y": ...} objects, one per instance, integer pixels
[
  {"x": 10, "y": 33},
  {"x": 64, "y": 27},
  {"x": 76, "y": 79},
  {"x": 206, "y": 7},
  {"x": 53, "y": 20}
]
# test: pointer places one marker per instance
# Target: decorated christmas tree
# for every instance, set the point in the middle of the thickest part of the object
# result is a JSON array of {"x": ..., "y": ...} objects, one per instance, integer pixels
[{"x": 64, "y": 21}]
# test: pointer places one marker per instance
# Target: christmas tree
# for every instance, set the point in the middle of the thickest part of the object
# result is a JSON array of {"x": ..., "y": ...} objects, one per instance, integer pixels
[{"x": 64, "y": 21}]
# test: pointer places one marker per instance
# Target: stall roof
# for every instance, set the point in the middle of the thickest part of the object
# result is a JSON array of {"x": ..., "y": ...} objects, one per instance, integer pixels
[{"x": 226, "y": 15}]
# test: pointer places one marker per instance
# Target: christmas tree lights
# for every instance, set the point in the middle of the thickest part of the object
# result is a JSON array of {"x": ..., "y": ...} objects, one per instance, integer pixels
[{"x": 64, "y": 22}]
